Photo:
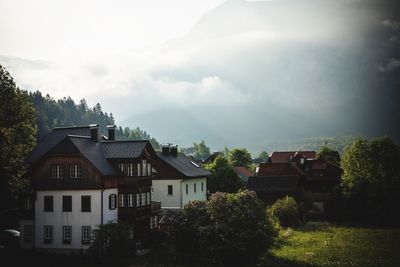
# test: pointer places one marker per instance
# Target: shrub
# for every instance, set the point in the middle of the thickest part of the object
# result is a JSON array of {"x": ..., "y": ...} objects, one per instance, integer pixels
[
  {"x": 111, "y": 241},
  {"x": 230, "y": 228},
  {"x": 286, "y": 211}
]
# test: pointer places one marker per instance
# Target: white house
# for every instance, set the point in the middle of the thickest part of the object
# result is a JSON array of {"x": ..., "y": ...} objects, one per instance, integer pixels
[
  {"x": 81, "y": 181},
  {"x": 178, "y": 179}
]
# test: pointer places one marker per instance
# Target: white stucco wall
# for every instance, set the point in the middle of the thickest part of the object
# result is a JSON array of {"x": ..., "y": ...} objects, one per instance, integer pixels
[
  {"x": 160, "y": 193},
  {"x": 198, "y": 195},
  {"x": 179, "y": 197},
  {"x": 76, "y": 218}
]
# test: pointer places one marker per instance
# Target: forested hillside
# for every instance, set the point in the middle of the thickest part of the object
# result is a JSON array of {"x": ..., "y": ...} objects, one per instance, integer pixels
[{"x": 52, "y": 113}]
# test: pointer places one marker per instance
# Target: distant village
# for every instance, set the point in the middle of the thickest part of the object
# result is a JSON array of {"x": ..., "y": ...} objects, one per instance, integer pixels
[{"x": 82, "y": 179}]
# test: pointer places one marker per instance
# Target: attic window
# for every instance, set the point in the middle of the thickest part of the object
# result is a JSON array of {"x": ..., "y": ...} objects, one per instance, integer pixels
[{"x": 195, "y": 164}]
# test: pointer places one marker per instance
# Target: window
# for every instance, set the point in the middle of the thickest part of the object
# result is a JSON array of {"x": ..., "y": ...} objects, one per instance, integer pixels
[
  {"x": 137, "y": 200},
  {"x": 170, "y": 190},
  {"x": 202, "y": 186},
  {"x": 86, "y": 234},
  {"x": 57, "y": 171},
  {"x": 67, "y": 203},
  {"x": 152, "y": 189},
  {"x": 144, "y": 167},
  {"x": 121, "y": 166},
  {"x": 67, "y": 234},
  {"x": 48, "y": 203},
  {"x": 187, "y": 189},
  {"x": 112, "y": 202},
  {"x": 143, "y": 199},
  {"x": 122, "y": 200},
  {"x": 153, "y": 222},
  {"x": 149, "y": 169},
  {"x": 48, "y": 233},
  {"x": 131, "y": 200},
  {"x": 28, "y": 233},
  {"x": 138, "y": 169},
  {"x": 28, "y": 202},
  {"x": 194, "y": 187},
  {"x": 75, "y": 171},
  {"x": 131, "y": 169},
  {"x": 86, "y": 203},
  {"x": 148, "y": 198}
]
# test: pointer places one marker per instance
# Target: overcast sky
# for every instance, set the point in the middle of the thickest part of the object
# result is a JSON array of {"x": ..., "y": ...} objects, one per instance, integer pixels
[{"x": 201, "y": 69}]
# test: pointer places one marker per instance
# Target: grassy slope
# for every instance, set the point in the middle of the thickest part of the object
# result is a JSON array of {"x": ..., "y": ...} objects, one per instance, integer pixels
[{"x": 338, "y": 246}]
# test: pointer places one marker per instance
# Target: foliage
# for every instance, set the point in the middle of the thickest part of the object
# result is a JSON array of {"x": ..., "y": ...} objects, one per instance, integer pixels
[
  {"x": 17, "y": 137},
  {"x": 321, "y": 244},
  {"x": 372, "y": 167},
  {"x": 112, "y": 241},
  {"x": 329, "y": 154},
  {"x": 286, "y": 211},
  {"x": 262, "y": 157},
  {"x": 239, "y": 157},
  {"x": 371, "y": 179},
  {"x": 201, "y": 151},
  {"x": 52, "y": 113},
  {"x": 231, "y": 228},
  {"x": 223, "y": 178}
]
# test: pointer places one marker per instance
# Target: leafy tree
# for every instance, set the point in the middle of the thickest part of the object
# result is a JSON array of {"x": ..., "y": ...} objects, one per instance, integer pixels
[
  {"x": 112, "y": 241},
  {"x": 17, "y": 137},
  {"x": 231, "y": 228},
  {"x": 329, "y": 154},
  {"x": 223, "y": 178},
  {"x": 372, "y": 167},
  {"x": 286, "y": 211},
  {"x": 263, "y": 157},
  {"x": 201, "y": 151},
  {"x": 239, "y": 157},
  {"x": 371, "y": 179}
]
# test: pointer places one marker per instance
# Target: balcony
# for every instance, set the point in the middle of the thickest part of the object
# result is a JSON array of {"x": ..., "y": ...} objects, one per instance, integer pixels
[{"x": 155, "y": 206}]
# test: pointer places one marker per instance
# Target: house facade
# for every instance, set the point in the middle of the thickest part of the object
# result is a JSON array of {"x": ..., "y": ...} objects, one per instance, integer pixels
[
  {"x": 81, "y": 180},
  {"x": 178, "y": 179},
  {"x": 296, "y": 174}
]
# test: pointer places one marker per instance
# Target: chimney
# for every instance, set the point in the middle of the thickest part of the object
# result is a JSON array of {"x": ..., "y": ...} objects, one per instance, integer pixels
[
  {"x": 165, "y": 149},
  {"x": 94, "y": 132},
  {"x": 173, "y": 150},
  {"x": 111, "y": 132}
]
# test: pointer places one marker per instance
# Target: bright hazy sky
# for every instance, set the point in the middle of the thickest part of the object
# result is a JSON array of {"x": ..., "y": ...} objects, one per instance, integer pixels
[
  {"x": 280, "y": 69},
  {"x": 59, "y": 30}
]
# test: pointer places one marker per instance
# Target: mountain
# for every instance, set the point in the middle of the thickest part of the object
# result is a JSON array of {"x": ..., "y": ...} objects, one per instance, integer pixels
[{"x": 271, "y": 71}]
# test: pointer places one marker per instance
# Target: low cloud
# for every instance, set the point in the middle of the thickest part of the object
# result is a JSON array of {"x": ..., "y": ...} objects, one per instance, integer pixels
[{"x": 390, "y": 65}]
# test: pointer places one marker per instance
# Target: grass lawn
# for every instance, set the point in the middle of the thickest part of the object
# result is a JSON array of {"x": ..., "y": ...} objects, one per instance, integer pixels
[
  {"x": 313, "y": 245},
  {"x": 326, "y": 245}
]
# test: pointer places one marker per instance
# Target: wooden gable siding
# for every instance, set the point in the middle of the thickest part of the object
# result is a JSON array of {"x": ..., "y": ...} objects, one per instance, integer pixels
[
  {"x": 166, "y": 171},
  {"x": 91, "y": 178}
]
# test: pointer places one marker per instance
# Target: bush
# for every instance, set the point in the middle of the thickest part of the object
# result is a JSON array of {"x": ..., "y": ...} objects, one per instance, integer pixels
[
  {"x": 230, "y": 228},
  {"x": 285, "y": 211},
  {"x": 111, "y": 241}
]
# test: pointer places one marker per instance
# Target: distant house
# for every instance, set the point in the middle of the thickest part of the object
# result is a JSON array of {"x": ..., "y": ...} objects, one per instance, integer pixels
[
  {"x": 211, "y": 158},
  {"x": 243, "y": 173},
  {"x": 178, "y": 179},
  {"x": 81, "y": 180},
  {"x": 293, "y": 173}
]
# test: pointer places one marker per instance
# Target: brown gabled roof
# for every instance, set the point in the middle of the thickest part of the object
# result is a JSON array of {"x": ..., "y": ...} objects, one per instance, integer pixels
[
  {"x": 278, "y": 169},
  {"x": 242, "y": 171},
  {"x": 285, "y": 156}
]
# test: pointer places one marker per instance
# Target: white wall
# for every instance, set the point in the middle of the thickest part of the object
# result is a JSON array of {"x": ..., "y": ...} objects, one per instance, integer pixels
[
  {"x": 198, "y": 195},
  {"x": 160, "y": 193},
  {"x": 179, "y": 197},
  {"x": 76, "y": 218}
]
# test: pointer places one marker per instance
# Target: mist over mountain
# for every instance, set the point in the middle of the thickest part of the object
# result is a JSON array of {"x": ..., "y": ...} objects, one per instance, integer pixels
[
  {"x": 290, "y": 70},
  {"x": 248, "y": 74}
]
